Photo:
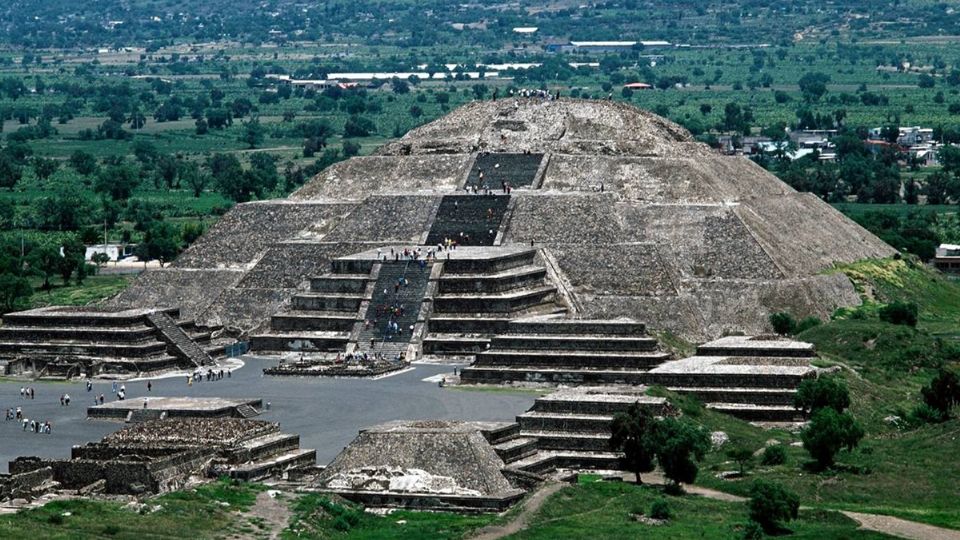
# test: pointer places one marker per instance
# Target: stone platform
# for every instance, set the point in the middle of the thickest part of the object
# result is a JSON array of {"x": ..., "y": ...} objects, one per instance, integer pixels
[
  {"x": 157, "y": 456},
  {"x": 63, "y": 342},
  {"x": 425, "y": 464},
  {"x": 148, "y": 408}
]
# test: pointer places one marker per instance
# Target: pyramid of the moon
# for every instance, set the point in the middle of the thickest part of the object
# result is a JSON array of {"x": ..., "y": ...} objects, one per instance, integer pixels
[{"x": 627, "y": 214}]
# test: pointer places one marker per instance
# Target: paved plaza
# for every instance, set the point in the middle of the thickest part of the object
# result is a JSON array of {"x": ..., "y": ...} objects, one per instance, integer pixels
[{"x": 327, "y": 413}]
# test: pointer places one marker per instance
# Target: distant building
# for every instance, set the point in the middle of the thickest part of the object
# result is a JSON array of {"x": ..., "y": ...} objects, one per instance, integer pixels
[
  {"x": 638, "y": 86},
  {"x": 114, "y": 251},
  {"x": 947, "y": 258},
  {"x": 605, "y": 46},
  {"x": 525, "y": 29}
]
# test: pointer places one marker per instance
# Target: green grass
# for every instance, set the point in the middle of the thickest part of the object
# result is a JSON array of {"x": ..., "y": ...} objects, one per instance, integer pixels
[
  {"x": 606, "y": 510},
  {"x": 94, "y": 288},
  {"x": 317, "y": 516},
  {"x": 205, "y": 512}
]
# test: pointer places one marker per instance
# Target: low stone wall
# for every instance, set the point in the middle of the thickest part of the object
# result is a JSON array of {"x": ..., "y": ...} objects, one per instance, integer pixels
[
  {"x": 295, "y": 344},
  {"x": 489, "y": 265},
  {"x": 492, "y": 304},
  {"x": 489, "y": 284},
  {"x": 14, "y": 486}
]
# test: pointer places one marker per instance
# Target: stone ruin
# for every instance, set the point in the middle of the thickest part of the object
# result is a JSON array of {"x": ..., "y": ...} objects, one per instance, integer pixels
[
  {"x": 157, "y": 456},
  {"x": 623, "y": 214},
  {"x": 64, "y": 342}
]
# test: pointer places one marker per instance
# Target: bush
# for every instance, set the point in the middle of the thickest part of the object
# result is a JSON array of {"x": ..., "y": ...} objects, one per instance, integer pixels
[
  {"x": 783, "y": 323},
  {"x": 904, "y": 313},
  {"x": 660, "y": 510},
  {"x": 774, "y": 455},
  {"x": 806, "y": 324},
  {"x": 771, "y": 503},
  {"x": 828, "y": 432},
  {"x": 925, "y": 414},
  {"x": 752, "y": 531},
  {"x": 816, "y": 394},
  {"x": 340, "y": 523},
  {"x": 741, "y": 455},
  {"x": 943, "y": 392}
]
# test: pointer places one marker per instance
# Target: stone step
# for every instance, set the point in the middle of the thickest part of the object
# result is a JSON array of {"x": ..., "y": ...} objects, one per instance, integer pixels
[
  {"x": 516, "y": 448},
  {"x": 479, "y": 322},
  {"x": 499, "y": 375},
  {"x": 577, "y": 327},
  {"x": 537, "y": 463},
  {"x": 564, "y": 440},
  {"x": 592, "y": 406},
  {"x": 326, "y": 302},
  {"x": 274, "y": 465},
  {"x": 267, "y": 447},
  {"x": 568, "y": 423},
  {"x": 459, "y": 345},
  {"x": 178, "y": 340},
  {"x": 569, "y": 359},
  {"x": 471, "y": 220},
  {"x": 314, "y": 321},
  {"x": 767, "y": 380},
  {"x": 339, "y": 283},
  {"x": 494, "y": 303},
  {"x": 548, "y": 460},
  {"x": 300, "y": 341},
  {"x": 759, "y": 413},
  {"x": 573, "y": 342},
  {"x": 756, "y": 396},
  {"x": 501, "y": 432},
  {"x": 101, "y": 350},
  {"x": 513, "y": 278},
  {"x": 485, "y": 265},
  {"x": 516, "y": 169},
  {"x": 131, "y": 334},
  {"x": 247, "y": 411}
]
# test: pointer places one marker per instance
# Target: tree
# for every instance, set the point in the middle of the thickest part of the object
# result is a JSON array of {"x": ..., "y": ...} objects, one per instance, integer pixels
[
  {"x": 45, "y": 261},
  {"x": 161, "y": 242},
  {"x": 815, "y": 394},
  {"x": 679, "y": 446},
  {"x": 192, "y": 176},
  {"x": 72, "y": 259},
  {"x": 828, "y": 432},
  {"x": 10, "y": 171},
  {"x": 252, "y": 133},
  {"x": 783, "y": 323},
  {"x": 117, "y": 181},
  {"x": 742, "y": 455},
  {"x": 774, "y": 455},
  {"x": 358, "y": 126},
  {"x": 771, "y": 504},
  {"x": 632, "y": 434},
  {"x": 83, "y": 162},
  {"x": 44, "y": 167},
  {"x": 943, "y": 392},
  {"x": 813, "y": 86},
  {"x": 350, "y": 148},
  {"x": 13, "y": 291},
  {"x": 897, "y": 312}
]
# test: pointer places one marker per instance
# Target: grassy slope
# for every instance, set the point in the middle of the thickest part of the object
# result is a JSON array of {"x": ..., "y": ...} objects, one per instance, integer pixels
[
  {"x": 606, "y": 510},
  {"x": 94, "y": 288}
]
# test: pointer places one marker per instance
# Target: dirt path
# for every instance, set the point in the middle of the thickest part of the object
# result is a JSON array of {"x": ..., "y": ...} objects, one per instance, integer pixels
[
  {"x": 269, "y": 515},
  {"x": 901, "y": 527},
  {"x": 519, "y": 522}
]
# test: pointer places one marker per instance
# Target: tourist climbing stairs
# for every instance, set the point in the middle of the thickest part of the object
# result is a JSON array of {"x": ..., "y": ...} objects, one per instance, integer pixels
[
  {"x": 181, "y": 343},
  {"x": 397, "y": 298},
  {"x": 517, "y": 170},
  {"x": 468, "y": 220}
]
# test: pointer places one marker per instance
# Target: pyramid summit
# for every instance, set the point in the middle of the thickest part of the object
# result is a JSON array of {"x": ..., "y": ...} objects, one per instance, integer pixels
[{"x": 611, "y": 212}]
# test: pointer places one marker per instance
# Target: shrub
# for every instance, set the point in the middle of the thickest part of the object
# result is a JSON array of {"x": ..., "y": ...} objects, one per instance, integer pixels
[
  {"x": 783, "y": 323},
  {"x": 340, "y": 523},
  {"x": 806, "y": 324},
  {"x": 632, "y": 433},
  {"x": 771, "y": 503},
  {"x": 828, "y": 432},
  {"x": 679, "y": 446},
  {"x": 821, "y": 392},
  {"x": 904, "y": 313},
  {"x": 943, "y": 392},
  {"x": 742, "y": 455},
  {"x": 660, "y": 509},
  {"x": 774, "y": 455},
  {"x": 752, "y": 531},
  {"x": 925, "y": 414}
]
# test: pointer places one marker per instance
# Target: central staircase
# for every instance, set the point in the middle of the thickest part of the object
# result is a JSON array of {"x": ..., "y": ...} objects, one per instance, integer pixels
[
  {"x": 468, "y": 220},
  {"x": 178, "y": 342}
]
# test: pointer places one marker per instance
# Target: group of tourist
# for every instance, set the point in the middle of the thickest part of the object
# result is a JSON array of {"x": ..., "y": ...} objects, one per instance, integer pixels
[
  {"x": 64, "y": 400},
  {"x": 33, "y": 425},
  {"x": 27, "y": 393},
  {"x": 199, "y": 376},
  {"x": 532, "y": 93}
]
